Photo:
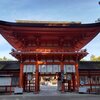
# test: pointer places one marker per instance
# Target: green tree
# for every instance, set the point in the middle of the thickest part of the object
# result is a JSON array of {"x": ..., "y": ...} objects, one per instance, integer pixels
[
  {"x": 0, "y": 59},
  {"x": 4, "y": 58},
  {"x": 99, "y": 58},
  {"x": 95, "y": 58}
]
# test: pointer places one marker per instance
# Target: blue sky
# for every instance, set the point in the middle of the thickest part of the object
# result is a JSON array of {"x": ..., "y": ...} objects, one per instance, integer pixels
[{"x": 86, "y": 11}]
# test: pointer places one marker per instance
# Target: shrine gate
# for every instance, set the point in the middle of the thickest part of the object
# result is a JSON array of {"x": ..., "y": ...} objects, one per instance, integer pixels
[{"x": 48, "y": 48}]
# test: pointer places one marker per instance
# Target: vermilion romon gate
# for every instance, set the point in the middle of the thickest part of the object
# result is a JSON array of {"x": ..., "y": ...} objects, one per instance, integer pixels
[{"x": 48, "y": 48}]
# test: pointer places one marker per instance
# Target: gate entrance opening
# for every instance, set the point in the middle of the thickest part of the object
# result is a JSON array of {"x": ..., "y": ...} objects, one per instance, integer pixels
[
  {"x": 49, "y": 76},
  {"x": 48, "y": 83}
]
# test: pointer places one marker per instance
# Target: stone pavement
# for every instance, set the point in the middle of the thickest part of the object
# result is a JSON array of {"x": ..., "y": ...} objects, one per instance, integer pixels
[
  {"x": 50, "y": 93},
  {"x": 52, "y": 97}
]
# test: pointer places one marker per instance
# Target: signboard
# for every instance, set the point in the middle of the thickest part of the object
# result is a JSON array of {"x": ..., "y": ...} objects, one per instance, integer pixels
[
  {"x": 83, "y": 90},
  {"x": 18, "y": 90},
  {"x": 5, "y": 81},
  {"x": 29, "y": 68},
  {"x": 69, "y": 68}
]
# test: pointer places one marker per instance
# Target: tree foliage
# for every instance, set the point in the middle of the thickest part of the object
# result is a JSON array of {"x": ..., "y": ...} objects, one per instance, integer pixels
[
  {"x": 95, "y": 58},
  {"x": 4, "y": 59}
]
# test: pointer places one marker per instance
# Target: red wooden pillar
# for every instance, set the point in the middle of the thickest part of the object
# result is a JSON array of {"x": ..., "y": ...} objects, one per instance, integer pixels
[
  {"x": 37, "y": 78},
  {"x": 77, "y": 77},
  {"x": 21, "y": 76},
  {"x": 69, "y": 85},
  {"x": 74, "y": 82},
  {"x": 62, "y": 72}
]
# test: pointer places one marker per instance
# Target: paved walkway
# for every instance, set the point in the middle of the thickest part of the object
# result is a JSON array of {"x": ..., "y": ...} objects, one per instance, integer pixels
[
  {"x": 50, "y": 93},
  {"x": 53, "y": 97}
]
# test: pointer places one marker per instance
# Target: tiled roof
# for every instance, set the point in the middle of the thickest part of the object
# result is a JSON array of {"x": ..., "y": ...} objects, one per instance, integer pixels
[
  {"x": 88, "y": 65},
  {"x": 83, "y": 65},
  {"x": 9, "y": 65}
]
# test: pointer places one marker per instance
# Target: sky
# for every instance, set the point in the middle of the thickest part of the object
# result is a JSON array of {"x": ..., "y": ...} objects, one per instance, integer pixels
[{"x": 85, "y": 11}]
